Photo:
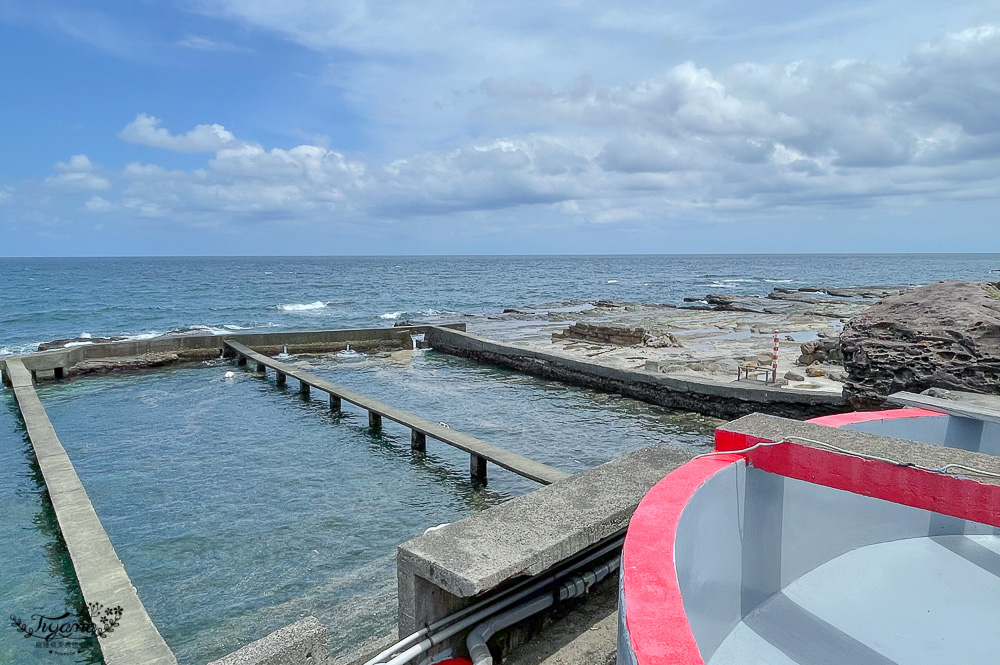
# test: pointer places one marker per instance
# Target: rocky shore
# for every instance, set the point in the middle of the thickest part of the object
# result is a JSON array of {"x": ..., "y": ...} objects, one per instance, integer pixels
[
  {"x": 708, "y": 337},
  {"x": 944, "y": 335},
  {"x": 866, "y": 341}
]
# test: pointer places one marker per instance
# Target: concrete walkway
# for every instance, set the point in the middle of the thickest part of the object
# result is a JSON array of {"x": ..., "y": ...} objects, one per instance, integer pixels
[
  {"x": 102, "y": 577},
  {"x": 481, "y": 451}
]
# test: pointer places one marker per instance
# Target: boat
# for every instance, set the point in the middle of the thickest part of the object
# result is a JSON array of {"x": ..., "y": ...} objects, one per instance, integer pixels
[{"x": 857, "y": 538}]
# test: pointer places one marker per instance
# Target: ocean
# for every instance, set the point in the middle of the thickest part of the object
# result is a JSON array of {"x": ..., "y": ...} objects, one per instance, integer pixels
[
  {"x": 45, "y": 299},
  {"x": 238, "y": 507}
]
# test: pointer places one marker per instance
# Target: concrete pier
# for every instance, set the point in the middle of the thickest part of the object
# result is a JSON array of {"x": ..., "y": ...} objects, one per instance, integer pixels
[
  {"x": 102, "y": 577},
  {"x": 280, "y": 378},
  {"x": 477, "y": 468},
  {"x": 487, "y": 452},
  {"x": 418, "y": 441},
  {"x": 374, "y": 422},
  {"x": 335, "y": 403}
]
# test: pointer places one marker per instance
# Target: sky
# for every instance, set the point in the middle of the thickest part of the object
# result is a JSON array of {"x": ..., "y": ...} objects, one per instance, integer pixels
[{"x": 207, "y": 127}]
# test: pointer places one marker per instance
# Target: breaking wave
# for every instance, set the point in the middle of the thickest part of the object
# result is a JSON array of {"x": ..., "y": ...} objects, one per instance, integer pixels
[{"x": 298, "y": 307}]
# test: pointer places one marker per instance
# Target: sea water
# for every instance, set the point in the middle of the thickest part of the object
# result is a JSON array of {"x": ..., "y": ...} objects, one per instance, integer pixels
[
  {"x": 46, "y": 299},
  {"x": 237, "y": 506}
]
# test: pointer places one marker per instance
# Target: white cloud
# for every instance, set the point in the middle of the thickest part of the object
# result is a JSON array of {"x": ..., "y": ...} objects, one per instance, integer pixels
[
  {"x": 76, "y": 163},
  {"x": 202, "y": 43},
  {"x": 145, "y": 130},
  {"x": 77, "y": 175},
  {"x": 690, "y": 142},
  {"x": 99, "y": 204}
]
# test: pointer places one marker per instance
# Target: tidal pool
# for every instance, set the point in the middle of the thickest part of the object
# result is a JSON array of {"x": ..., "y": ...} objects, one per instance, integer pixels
[{"x": 238, "y": 507}]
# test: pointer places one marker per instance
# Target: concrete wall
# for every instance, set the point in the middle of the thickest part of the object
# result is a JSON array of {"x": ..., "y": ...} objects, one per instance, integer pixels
[
  {"x": 746, "y": 534},
  {"x": 452, "y": 567},
  {"x": 200, "y": 347},
  {"x": 943, "y": 430},
  {"x": 300, "y": 643},
  {"x": 102, "y": 577},
  {"x": 707, "y": 397}
]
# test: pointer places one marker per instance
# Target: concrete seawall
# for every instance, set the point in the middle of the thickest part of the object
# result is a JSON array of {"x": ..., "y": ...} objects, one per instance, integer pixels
[
  {"x": 102, "y": 577},
  {"x": 522, "y": 539},
  {"x": 720, "y": 400},
  {"x": 162, "y": 350}
]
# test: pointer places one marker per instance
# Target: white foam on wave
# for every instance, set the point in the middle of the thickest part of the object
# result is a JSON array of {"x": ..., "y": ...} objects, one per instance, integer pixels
[
  {"x": 777, "y": 281},
  {"x": 612, "y": 281},
  {"x": 430, "y": 311},
  {"x": 299, "y": 307},
  {"x": 72, "y": 344},
  {"x": 392, "y": 316},
  {"x": 146, "y": 335}
]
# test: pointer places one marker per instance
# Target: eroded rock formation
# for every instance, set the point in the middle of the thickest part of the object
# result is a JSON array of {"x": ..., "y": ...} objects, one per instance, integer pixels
[{"x": 944, "y": 335}]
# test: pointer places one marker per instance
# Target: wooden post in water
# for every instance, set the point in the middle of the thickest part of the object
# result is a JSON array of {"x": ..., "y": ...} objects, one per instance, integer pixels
[
  {"x": 280, "y": 378},
  {"x": 334, "y": 403},
  {"x": 375, "y": 422},
  {"x": 303, "y": 388},
  {"x": 418, "y": 441},
  {"x": 477, "y": 468}
]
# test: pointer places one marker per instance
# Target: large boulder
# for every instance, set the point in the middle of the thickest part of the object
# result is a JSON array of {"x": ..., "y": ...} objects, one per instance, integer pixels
[{"x": 944, "y": 335}]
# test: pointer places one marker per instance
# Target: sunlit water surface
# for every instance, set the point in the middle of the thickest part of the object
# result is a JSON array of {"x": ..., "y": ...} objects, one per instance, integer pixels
[{"x": 238, "y": 507}]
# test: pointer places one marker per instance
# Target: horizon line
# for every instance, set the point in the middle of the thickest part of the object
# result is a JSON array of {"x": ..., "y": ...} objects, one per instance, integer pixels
[{"x": 540, "y": 255}]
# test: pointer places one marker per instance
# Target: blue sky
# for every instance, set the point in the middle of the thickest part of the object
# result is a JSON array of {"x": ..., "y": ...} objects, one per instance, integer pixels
[{"x": 351, "y": 127}]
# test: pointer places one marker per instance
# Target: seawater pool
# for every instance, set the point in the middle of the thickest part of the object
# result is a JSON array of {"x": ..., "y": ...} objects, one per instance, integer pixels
[{"x": 238, "y": 507}]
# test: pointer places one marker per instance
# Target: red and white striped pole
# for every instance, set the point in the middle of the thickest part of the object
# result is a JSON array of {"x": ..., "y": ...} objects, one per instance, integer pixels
[{"x": 774, "y": 359}]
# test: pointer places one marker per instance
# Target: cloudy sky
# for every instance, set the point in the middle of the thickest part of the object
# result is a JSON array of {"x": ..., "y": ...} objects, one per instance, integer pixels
[{"x": 572, "y": 126}]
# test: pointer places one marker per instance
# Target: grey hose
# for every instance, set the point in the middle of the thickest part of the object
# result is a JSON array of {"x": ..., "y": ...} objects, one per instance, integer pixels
[
  {"x": 419, "y": 642},
  {"x": 575, "y": 586},
  {"x": 478, "y": 636}
]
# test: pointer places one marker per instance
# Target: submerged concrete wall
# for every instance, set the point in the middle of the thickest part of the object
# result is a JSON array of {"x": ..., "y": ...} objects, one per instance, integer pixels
[
  {"x": 710, "y": 398},
  {"x": 300, "y": 643},
  {"x": 202, "y": 347}
]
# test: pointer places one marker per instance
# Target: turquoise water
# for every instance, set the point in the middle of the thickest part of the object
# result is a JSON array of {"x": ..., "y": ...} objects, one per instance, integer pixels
[{"x": 238, "y": 507}]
